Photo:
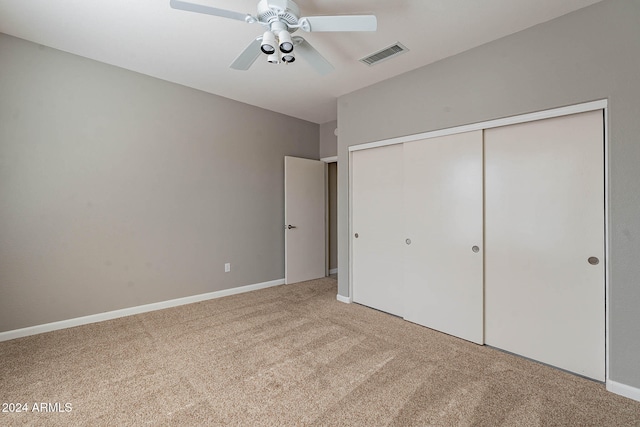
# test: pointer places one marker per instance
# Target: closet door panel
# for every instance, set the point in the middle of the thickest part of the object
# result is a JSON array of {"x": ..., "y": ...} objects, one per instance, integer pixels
[
  {"x": 544, "y": 224},
  {"x": 377, "y": 221},
  {"x": 443, "y": 220}
]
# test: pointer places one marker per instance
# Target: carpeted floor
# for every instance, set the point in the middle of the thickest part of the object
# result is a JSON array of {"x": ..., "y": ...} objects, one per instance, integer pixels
[{"x": 289, "y": 355}]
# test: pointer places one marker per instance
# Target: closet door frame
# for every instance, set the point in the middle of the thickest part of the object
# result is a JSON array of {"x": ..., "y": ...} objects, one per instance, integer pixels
[{"x": 524, "y": 118}]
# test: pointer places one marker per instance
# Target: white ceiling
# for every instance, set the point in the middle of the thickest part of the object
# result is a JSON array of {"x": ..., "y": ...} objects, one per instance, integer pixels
[{"x": 195, "y": 50}]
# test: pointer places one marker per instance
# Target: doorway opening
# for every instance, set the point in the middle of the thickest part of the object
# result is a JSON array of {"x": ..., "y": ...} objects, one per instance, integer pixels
[{"x": 332, "y": 215}]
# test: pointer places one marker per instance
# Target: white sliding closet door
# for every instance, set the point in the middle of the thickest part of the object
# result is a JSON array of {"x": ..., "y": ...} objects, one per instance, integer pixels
[
  {"x": 544, "y": 245},
  {"x": 377, "y": 228},
  {"x": 443, "y": 227}
]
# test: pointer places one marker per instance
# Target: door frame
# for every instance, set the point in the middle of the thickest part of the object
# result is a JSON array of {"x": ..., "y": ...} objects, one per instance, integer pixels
[{"x": 522, "y": 118}]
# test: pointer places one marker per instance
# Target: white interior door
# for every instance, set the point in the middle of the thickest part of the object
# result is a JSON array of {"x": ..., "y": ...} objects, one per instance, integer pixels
[
  {"x": 304, "y": 213},
  {"x": 377, "y": 228},
  {"x": 443, "y": 268},
  {"x": 544, "y": 213}
]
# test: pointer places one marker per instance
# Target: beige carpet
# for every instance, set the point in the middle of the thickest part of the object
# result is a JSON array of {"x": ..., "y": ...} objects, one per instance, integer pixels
[{"x": 290, "y": 355}]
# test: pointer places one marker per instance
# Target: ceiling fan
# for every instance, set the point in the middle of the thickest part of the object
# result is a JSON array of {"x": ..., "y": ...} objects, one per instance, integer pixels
[{"x": 282, "y": 18}]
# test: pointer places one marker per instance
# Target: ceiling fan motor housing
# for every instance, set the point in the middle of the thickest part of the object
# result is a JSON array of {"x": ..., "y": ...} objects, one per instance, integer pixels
[{"x": 284, "y": 11}]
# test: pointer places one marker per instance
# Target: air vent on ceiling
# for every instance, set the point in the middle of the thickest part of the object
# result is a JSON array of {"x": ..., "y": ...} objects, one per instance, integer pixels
[{"x": 384, "y": 54}]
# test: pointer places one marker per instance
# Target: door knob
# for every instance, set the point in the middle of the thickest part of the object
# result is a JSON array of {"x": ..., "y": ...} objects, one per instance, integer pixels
[
  {"x": 475, "y": 249},
  {"x": 356, "y": 235},
  {"x": 408, "y": 241},
  {"x": 593, "y": 260},
  {"x": 290, "y": 226}
]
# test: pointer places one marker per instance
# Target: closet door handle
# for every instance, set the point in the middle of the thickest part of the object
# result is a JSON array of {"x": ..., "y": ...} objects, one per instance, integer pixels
[{"x": 475, "y": 249}]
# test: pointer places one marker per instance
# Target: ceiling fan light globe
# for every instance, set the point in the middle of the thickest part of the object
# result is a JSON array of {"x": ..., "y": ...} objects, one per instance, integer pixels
[
  {"x": 286, "y": 44},
  {"x": 267, "y": 49},
  {"x": 288, "y": 58},
  {"x": 268, "y": 43},
  {"x": 274, "y": 58}
]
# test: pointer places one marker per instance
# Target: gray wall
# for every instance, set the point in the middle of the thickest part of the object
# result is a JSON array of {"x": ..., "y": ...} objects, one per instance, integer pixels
[
  {"x": 591, "y": 54},
  {"x": 328, "y": 139},
  {"x": 118, "y": 189}
]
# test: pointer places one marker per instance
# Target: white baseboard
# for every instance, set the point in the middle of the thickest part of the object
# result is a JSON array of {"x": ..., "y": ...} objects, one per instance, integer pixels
[
  {"x": 624, "y": 390},
  {"x": 100, "y": 317},
  {"x": 333, "y": 271},
  {"x": 346, "y": 300}
]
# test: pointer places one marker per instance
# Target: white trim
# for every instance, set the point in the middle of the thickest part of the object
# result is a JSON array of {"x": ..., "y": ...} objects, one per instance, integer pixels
[
  {"x": 109, "y": 315},
  {"x": 350, "y": 226},
  {"x": 607, "y": 311},
  {"x": 346, "y": 300},
  {"x": 327, "y": 214},
  {"x": 333, "y": 271},
  {"x": 329, "y": 159},
  {"x": 524, "y": 118},
  {"x": 624, "y": 390}
]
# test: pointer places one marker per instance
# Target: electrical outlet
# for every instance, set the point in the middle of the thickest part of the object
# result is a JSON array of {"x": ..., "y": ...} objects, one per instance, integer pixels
[{"x": 227, "y": 267}]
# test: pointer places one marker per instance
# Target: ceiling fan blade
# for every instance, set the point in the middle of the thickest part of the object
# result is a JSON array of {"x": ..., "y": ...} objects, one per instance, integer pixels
[
  {"x": 312, "y": 56},
  {"x": 248, "y": 56},
  {"x": 339, "y": 23},
  {"x": 199, "y": 8}
]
